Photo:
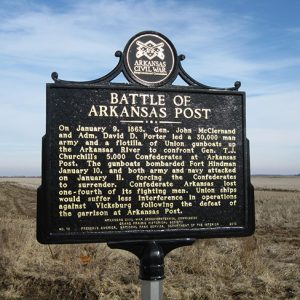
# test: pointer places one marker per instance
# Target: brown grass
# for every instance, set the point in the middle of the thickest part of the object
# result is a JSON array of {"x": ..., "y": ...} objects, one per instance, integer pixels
[{"x": 264, "y": 266}]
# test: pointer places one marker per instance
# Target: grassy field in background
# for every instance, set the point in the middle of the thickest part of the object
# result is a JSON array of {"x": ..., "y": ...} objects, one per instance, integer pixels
[{"x": 263, "y": 266}]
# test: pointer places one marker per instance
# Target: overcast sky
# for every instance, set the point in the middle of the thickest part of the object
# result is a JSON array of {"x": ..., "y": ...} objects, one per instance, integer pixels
[{"x": 256, "y": 42}]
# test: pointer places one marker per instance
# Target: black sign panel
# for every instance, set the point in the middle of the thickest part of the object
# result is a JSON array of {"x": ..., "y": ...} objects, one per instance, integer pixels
[
  {"x": 144, "y": 160},
  {"x": 130, "y": 163}
]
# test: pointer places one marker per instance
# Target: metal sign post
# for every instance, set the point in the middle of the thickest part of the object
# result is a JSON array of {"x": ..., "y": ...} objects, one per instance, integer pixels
[
  {"x": 152, "y": 290},
  {"x": 152, "y": 268},
  {"x": 152, "y": 272}
]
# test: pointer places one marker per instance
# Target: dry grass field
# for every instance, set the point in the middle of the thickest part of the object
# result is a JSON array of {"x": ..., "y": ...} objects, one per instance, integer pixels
[{"x": 264, "y": 266}]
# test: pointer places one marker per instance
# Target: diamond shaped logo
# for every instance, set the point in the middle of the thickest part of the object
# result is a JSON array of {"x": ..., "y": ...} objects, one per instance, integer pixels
[{"x": 150, "y": 50}]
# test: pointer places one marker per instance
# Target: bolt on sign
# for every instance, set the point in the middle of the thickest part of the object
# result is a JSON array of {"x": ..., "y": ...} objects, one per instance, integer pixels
[{"x": 147, "y": 159}]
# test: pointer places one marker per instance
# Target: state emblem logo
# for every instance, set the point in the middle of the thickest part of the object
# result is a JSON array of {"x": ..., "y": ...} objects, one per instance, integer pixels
[{"x": 150, "y": 59}]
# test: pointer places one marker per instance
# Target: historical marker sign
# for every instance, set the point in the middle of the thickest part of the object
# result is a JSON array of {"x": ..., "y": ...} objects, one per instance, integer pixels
[{"x": 137, "y": 161}]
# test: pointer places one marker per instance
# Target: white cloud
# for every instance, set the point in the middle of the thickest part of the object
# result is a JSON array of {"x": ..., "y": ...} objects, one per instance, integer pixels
[{"x": 79, "y": 41}]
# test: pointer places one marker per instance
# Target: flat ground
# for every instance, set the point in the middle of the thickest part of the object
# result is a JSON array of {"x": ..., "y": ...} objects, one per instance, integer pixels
[{"x": 263, "y": 266}]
